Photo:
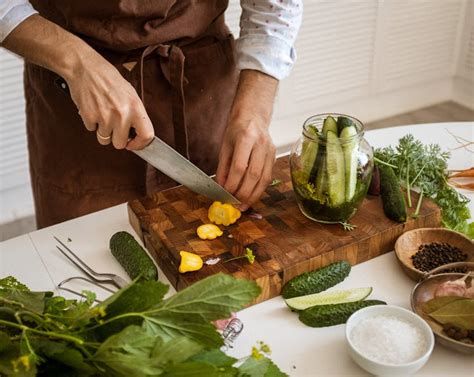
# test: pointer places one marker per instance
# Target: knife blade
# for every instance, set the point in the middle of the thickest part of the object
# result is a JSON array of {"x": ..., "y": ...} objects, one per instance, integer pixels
[{"x": 174, "y": 165}]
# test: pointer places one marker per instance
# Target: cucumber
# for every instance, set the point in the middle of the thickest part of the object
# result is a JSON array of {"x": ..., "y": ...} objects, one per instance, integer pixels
[
  {"x": 316, "y": 281},
  {"x": 393, "y": 201},
  {"x": 329, "y": 125},
  {"x": 309, "y": 150},
  {"x": 322, "y": 180},
  {"x": 350, "y": 149},
  {"x": 335, "y": 170},
  {"x": 330, "y": 315},
  {"x": 343, "y": 122},
  {"x": 132, "y": 257},
  {"x": 327, "y": 298}
]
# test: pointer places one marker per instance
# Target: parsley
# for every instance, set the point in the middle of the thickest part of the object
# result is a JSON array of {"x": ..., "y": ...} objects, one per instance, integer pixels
[
  {"x": 134, "y": 333},
  {"x": 425, "y": 168}
]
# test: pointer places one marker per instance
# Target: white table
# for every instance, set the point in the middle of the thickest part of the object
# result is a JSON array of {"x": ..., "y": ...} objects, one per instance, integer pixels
[{"x": 297, "y": 349}]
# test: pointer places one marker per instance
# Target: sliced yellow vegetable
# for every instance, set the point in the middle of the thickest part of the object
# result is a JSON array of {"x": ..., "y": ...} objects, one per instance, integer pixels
[
  {"x": 189, "y": 262},
  {"x": 208, "y": 232},
  {"x": 223, "y": 214}
]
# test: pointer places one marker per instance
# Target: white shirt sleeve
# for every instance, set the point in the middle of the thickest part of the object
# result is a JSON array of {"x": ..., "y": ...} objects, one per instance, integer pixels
[
  {"x": 268, "y": 30},
  {"x": 12, "y": 13}
]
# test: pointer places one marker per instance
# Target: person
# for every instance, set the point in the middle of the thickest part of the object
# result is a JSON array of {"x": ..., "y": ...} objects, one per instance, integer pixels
[{"x": 165, "y": 68}]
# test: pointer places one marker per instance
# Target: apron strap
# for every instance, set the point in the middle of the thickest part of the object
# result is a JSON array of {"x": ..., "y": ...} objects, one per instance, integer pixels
[{"x": 172, "y": 65}]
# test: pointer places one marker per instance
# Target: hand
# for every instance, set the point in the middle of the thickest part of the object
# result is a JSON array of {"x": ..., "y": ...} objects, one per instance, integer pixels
[
  {"x": 107, "y": 103},
  {"x": 110, "y": 106},
  {"x": 247, "y": 154}
]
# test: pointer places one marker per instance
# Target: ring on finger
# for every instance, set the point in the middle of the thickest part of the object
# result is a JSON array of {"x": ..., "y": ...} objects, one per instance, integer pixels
[{"x": 102, "y": 137}]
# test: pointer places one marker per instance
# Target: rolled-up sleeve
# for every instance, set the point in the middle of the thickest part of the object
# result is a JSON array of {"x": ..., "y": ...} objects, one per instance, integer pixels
[
  {"x": 268, "y": 30},
  {"x": 12, "y": 13}
]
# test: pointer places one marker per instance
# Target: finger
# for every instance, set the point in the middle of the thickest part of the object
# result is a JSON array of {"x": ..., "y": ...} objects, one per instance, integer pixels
[
  {"x": 120, "y": 132},
  {"x": 265, "y": 180},
  {"x": 253, "y": 173},
  {"x": 144, "y": 132},
  {"x": 225, "y": 159},
  {"x": 90, "y": 123},
  {"x": 104, "y": 136},
  {"x": 238, "y": 167}
]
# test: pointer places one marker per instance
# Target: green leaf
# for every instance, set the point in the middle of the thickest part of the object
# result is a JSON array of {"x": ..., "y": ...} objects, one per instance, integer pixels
[
  {"x": 174, "y": 351},
  {"x": 5, "y": 341},
  {"x": 262, "y": 367},
  {"x": 10, "y": 282},
  {"x": 12, "y": 363},
  {"x": 171, "y": 326},
  {"x": 62, "y": 353},
  {"x": 214, "y": 357},
  {"x": 459, "y": 313},
  {"x": 198, "y": 369},
  {"x": 438, "y": 302},
  {"x": 213, "y": 298},
  {"x": 137, "y": 297},
  {"x": 128, "y": 353},
  {"x": 33, "y": 301},
  {"x": 190, "y": 312}
]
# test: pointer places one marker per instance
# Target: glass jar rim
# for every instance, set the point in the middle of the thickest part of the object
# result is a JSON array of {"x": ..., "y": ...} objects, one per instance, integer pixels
[{"x": 310, "y": 122}]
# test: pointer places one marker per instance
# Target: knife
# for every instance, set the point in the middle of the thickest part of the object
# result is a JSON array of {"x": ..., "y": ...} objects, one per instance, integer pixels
[{"x": 174, "y": 165}]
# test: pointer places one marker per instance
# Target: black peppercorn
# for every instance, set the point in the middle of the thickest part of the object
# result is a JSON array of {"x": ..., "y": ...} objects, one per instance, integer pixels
[{"x": 435, "y": 254}]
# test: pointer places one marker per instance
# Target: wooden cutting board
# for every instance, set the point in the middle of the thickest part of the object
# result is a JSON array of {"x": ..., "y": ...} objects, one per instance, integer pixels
[{"x": 284, "y": 241}]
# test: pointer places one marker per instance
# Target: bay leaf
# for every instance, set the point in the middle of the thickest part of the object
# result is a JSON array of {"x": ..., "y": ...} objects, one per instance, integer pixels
[
  {"x": 459, "y": 313},
  {"x": 438, "y": 302}
]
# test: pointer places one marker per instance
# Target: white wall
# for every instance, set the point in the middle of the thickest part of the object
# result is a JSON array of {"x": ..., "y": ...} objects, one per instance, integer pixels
[{"x": 368, "y": 58}]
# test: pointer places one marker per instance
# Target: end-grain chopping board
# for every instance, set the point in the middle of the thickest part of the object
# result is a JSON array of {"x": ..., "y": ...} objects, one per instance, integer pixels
[{"x": 284, "y": 241}]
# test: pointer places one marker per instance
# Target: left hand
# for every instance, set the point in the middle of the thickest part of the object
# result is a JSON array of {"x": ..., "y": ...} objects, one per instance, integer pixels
[{"x": 247, "y": 154}]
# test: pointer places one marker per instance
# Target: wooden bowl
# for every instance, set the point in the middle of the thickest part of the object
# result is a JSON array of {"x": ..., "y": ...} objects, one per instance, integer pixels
[
  {"x": 424, "y": 291},
  {"x": 407, "y": 245}
]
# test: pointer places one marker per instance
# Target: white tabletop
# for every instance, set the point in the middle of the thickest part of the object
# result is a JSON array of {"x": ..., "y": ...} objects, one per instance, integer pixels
[{"x": 298, "y": 350}]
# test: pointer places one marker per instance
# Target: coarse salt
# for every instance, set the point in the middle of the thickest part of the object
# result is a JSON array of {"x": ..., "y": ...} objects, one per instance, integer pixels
[{"x": 388, "y": 340}]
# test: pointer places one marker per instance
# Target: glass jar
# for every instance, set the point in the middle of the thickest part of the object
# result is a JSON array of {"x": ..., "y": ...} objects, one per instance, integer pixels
[{"x": 331, "y": 167}]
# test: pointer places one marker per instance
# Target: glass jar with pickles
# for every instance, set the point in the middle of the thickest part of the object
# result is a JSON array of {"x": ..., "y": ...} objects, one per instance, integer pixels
[{"x": 331, "y": 167}]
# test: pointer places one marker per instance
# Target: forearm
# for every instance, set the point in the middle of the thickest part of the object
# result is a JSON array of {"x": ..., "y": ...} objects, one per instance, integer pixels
[
  {"x": 255, "y": 96},
  {"x": 46, "y": 44}
]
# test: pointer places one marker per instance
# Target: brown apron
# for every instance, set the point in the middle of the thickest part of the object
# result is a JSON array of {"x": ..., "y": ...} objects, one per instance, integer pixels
[{"x": 185, "y": 74}]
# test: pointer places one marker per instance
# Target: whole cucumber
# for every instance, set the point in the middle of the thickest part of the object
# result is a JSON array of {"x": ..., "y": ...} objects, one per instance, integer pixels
[
  {"x": 316, "y": 281},
  {"x": 392, "y": 198},
  {"x": 132, "y": 257},
  {"x": 330, "y": 315}
]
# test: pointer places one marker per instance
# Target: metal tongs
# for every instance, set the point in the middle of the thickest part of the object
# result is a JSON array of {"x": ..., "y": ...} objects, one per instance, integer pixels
[{"x": 98, "y": 279}]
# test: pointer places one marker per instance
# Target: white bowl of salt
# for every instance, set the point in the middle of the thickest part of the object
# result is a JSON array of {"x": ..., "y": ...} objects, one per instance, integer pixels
[{"x": 388, "y": 340}]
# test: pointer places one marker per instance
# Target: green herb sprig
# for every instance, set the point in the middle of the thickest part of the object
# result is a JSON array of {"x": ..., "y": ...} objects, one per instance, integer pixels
[
  {"x": 425, "y": 168},
  {"x": 249, "y": 255},
  {"x": 134, "y": 333}
]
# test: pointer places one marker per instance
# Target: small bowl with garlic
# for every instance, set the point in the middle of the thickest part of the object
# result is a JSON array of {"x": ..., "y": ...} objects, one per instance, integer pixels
[{"x": 445, "y": 300}]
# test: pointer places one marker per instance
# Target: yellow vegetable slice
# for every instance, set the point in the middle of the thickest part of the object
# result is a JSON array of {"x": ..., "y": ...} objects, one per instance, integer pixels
[
  {"x": 223, "y": 214},
  {"x": 208, "y": 232},
  {"x": 189, "y": 262}
]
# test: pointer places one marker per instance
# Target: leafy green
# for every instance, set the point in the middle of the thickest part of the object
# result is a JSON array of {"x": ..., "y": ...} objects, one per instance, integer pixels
[
  {"x": 134, "y": 333},
  {"x": 425, "y": 167},
  {"x": 10, "y": 282},
  {"x": 260, "y": 368}
]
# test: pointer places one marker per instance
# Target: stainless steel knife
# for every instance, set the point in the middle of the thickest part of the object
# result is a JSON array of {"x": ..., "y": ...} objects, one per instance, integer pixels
[{"x": 174, "y": 165}]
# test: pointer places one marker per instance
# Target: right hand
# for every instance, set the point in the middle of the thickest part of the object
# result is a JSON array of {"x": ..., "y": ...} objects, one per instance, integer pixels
[{"x": 110, "y": 106}]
